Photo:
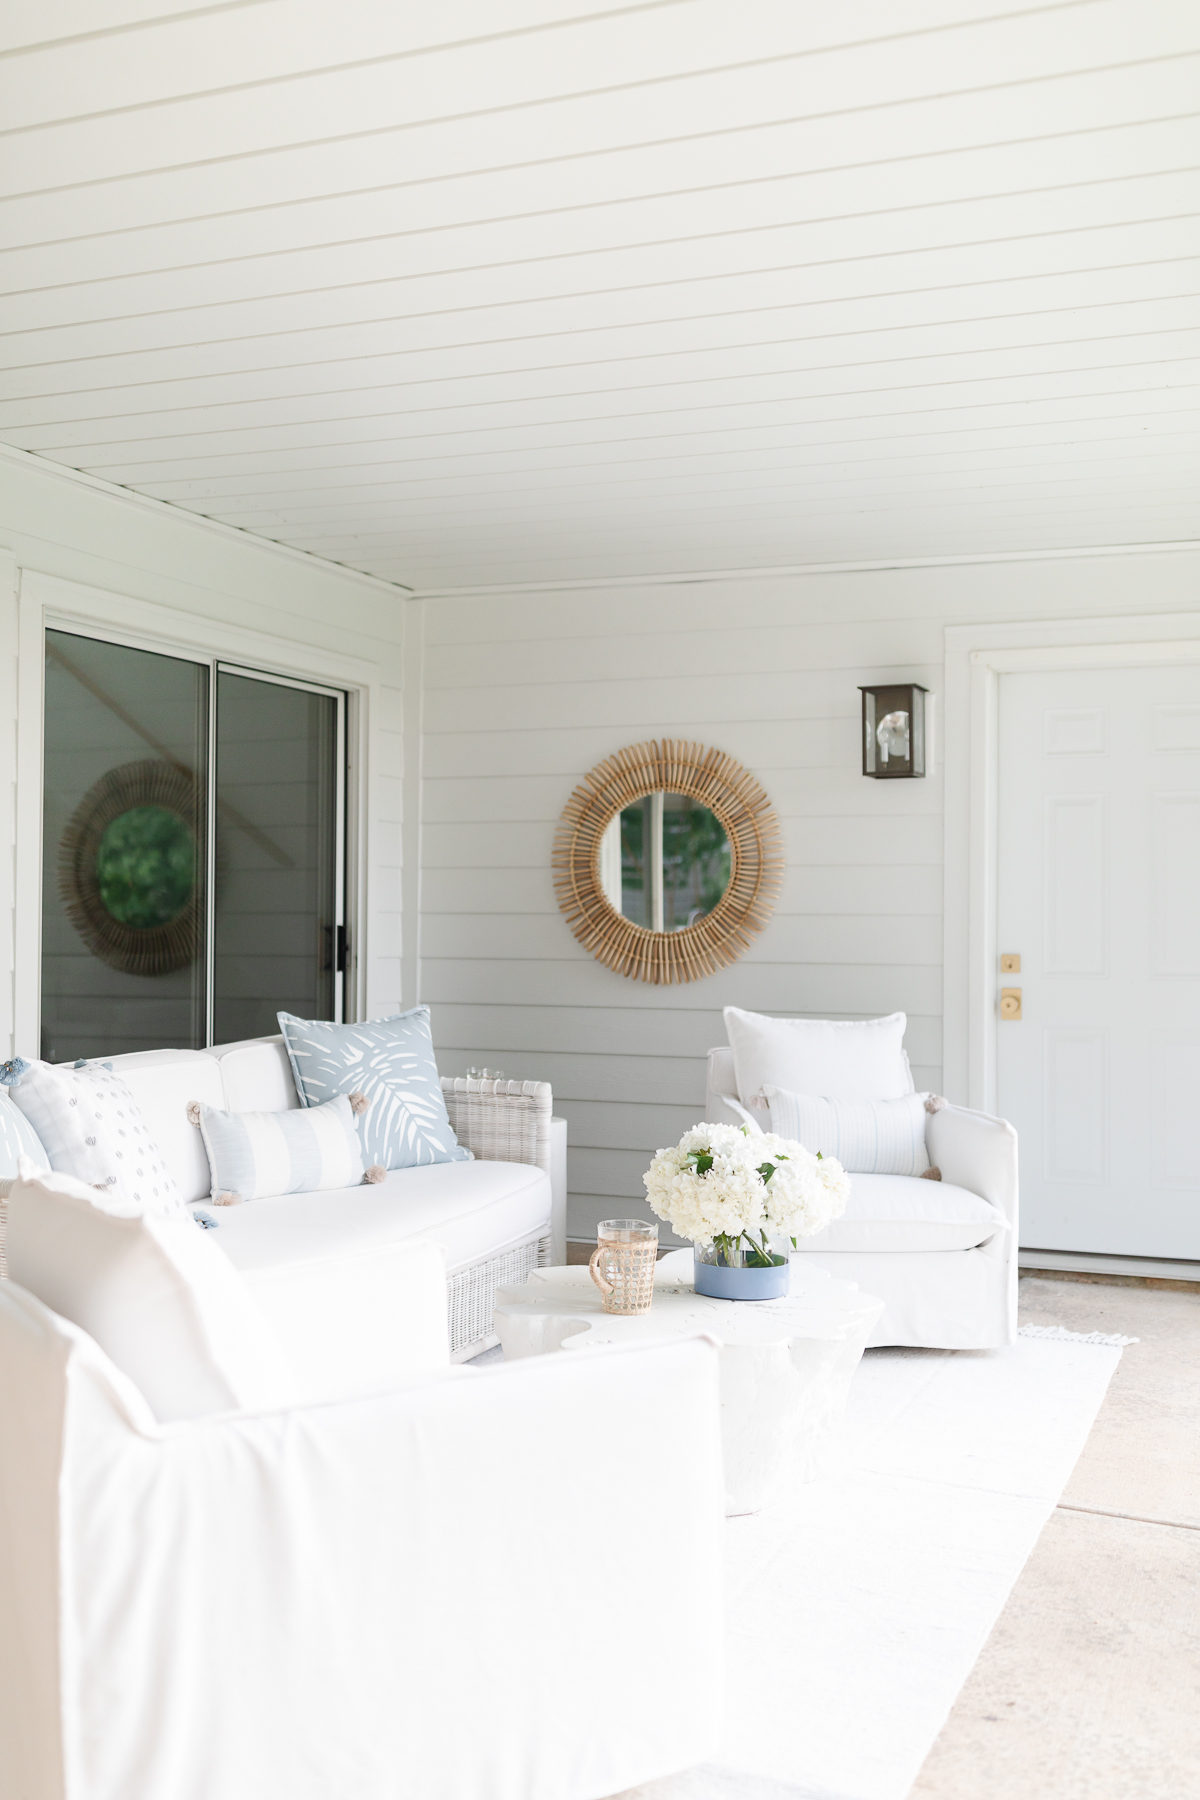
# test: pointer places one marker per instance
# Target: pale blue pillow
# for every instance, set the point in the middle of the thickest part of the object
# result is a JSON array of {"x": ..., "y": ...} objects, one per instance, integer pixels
[
  {"x": 392, "y": 1062},
  {"x": 17, "y": 1138},
  {"x": 257, "y": 1154}
]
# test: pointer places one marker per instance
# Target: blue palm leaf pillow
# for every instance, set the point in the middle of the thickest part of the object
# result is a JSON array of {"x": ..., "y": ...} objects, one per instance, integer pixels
[{"x": 392, "y": 1062}]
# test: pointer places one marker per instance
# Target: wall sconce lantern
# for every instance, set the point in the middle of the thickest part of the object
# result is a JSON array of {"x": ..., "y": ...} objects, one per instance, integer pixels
[{"x": 893, "y": 725}]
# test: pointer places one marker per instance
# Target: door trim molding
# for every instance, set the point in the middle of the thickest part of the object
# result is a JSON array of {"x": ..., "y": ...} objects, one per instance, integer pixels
[{"x": 976, "y": 657}]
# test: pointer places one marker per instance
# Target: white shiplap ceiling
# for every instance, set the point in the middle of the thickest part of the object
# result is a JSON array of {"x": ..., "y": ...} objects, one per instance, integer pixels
[{"x": 491, "y": 291}]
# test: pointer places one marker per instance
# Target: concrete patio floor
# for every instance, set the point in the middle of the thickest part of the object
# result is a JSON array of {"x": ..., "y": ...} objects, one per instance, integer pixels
[{"x": 1089, "y": 1686}]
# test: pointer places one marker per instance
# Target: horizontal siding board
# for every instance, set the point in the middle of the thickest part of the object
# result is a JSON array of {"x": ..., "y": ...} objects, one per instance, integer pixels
[
  {"x": 643, "y": 1129},
  {"x": 577, "y": 1075},
  {"x": 863, "y": 938},
  {"x": 566, "y": 752},
  {"x": 795, "y": 795},
  {"x": 913, "y": 890},
  {"x": 795, "y": 648},
  {"x": 804, "y": 987},
  {"x": 615, "y": 1046},
  {"x": 661, "y": 703},
  {"x": 873, "y": 841}
]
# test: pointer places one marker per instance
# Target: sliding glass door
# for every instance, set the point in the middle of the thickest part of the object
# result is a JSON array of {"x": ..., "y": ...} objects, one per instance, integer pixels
[{"x": 193, "y": 850}]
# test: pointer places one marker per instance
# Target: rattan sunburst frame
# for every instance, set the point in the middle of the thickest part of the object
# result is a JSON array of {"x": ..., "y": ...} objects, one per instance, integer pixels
[
  {"x": 150, "y": 950},
  {"x": 756, "y": 872}
]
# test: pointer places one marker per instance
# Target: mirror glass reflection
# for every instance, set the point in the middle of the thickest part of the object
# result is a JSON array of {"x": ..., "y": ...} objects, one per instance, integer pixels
[{"x": 665, "y": 862}]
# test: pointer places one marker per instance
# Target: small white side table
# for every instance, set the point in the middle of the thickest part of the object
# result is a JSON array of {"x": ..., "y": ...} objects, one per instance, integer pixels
[{"x": 786, "y": 1365}]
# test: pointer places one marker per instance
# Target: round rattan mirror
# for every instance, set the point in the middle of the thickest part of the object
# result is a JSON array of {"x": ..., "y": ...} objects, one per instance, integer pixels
[
  {"x": 128, "y": 869},
  {"x": 667, "y": 861}
]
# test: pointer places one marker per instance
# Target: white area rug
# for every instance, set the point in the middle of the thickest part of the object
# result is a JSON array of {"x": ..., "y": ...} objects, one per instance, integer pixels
[{"x": 856, "y": 1609}]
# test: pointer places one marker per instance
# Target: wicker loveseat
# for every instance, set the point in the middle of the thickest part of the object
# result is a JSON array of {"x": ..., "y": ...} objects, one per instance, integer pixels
[{"x": 325, "y": 1267}]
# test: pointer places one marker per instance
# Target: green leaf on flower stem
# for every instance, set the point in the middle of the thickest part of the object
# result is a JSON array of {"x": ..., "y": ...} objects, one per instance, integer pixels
[
  {"x": 701, "y": 1160},
  {"x": 766, "y": 1170}
]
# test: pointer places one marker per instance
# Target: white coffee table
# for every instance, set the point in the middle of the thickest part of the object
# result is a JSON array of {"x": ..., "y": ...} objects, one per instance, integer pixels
[{"x": 786, "y": 1365}]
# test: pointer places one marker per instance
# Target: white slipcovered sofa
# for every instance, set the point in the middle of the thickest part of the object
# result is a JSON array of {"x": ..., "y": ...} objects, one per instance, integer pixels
[
  {"x": 358, "y": 1597},
  {"x": 942, "y": 1255},
  {"x": 261, "y": 1540},
  {"x": 322, "y": 1265}
]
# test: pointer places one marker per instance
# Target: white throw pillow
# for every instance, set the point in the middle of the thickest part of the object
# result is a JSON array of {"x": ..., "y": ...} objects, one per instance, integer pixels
[
  {"x": 91, "y": 1128},
  {"x": 842, "y": 1059},
  {"x": 163, "y": 1302},
  {"x": 868, "y": 1137}
]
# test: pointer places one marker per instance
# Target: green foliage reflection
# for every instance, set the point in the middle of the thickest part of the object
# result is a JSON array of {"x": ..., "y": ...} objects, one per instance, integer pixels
[
  {"x": 696, "y": 861},
  {"x": 146, "y": 866}
]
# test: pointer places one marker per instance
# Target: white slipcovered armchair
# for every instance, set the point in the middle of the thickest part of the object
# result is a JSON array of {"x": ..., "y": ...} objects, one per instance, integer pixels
[
  {"x": 436, "y": 1592},
  {"x": 942, "y": 1255}
]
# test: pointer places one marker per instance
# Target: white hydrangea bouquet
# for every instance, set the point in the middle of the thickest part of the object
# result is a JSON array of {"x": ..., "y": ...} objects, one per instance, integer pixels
[{"x": 722, "y": 1186}]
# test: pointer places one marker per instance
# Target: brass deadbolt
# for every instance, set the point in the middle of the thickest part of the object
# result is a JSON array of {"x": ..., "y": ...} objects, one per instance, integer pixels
[
  {"x": 1010, "y": 1003},
  {"x": 1010, "y": 964}
]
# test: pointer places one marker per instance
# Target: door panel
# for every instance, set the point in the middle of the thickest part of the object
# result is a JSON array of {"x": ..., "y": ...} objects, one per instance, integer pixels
[
  {"x": 1074, "y": 884},
  {"x": 123, "y": 834},
  {"x": 1174, "y": 872},
  {"x": 1075, "y": 1115},
  {"x": 1098, "y": 870},
  {"x": 276, "y": 903}
]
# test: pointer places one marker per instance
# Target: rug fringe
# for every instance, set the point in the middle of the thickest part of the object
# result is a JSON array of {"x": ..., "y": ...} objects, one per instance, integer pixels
[{"x": 1061, "y": 1335}]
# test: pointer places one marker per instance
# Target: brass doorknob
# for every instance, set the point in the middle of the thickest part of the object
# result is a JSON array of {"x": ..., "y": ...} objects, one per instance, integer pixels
[{"x": 1010, "y": 1003}]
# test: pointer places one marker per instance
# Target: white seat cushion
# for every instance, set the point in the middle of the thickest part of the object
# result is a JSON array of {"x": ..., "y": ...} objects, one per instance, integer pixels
[
  {"x": 904, "y": 1213},
  {"x": 473, "y": 1210}
]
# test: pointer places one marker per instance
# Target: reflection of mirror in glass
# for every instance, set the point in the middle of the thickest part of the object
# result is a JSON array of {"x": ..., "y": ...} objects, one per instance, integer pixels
[{"x": 665, "y": 862}]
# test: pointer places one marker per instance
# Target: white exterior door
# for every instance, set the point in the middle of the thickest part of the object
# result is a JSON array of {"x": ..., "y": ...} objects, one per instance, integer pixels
[{"x": 1099, "y": 895}]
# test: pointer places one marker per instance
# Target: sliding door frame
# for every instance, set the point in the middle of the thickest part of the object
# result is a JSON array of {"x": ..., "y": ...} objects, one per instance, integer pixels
[
  {"x": 49, "y": 602},
  {"x": 338, "y": 695}
]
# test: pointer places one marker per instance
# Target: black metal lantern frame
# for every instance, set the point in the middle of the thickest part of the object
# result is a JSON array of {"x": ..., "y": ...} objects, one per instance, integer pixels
[{"x": 893, "y": 731}]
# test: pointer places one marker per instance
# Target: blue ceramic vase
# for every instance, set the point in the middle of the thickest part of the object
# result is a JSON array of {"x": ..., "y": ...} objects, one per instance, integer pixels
[{"x": 723, "y": 1281}]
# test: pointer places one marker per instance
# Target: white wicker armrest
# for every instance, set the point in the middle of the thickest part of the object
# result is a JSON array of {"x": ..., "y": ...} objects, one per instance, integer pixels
[{"x": 501, "y": 1121}]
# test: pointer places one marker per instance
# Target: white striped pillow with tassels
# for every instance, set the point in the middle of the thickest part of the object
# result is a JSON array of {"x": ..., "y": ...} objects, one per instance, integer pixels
[
  {"x": 868, "y": 1137},
  {"x": 253, "y": 1155}
]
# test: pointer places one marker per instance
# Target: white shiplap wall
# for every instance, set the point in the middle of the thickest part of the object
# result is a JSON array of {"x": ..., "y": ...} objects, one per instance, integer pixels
[
  {"x": 170, "y": 578},
  {"x": 524, "y": 692}
]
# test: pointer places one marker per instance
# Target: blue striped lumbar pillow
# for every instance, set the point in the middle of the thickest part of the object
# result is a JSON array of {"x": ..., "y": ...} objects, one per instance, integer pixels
[
  {"x": 256, "y": 1154},
  {"x": 868, "y": 1137}
]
